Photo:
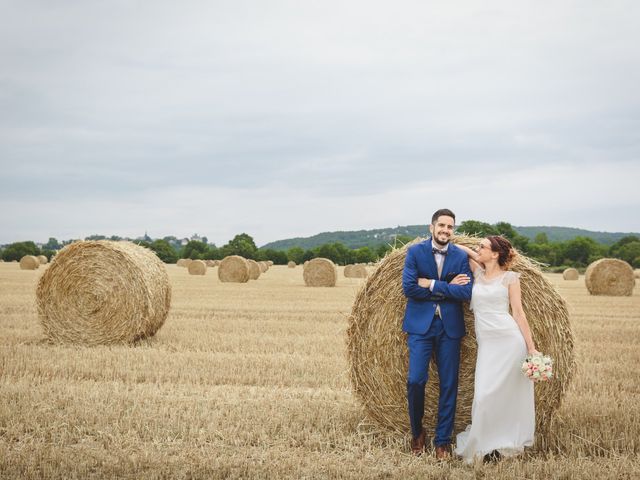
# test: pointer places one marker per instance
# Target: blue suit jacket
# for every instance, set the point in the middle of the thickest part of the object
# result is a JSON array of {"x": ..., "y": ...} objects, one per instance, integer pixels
[{"x": 421, "y": 302}]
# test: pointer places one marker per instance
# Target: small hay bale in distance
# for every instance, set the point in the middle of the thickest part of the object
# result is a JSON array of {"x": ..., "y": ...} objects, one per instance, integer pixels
[
  {"x": 270, "y": 263},
  {"x": 234, "y": 269},
  {"x": 103, "y": 292},
  {"x": 358, "y": 270},
  {"x": 184, "y": 262},
  {"x": 610, "y": 276},
  {"x": 197, "y": 267},
  {"x": 636, "y": 273},
  {"x": 29, "y": 262},
  {"x": 571, "y": 274},
  {"x": 43, "y": 259},
  {"x": 320, "y": 272},
  {"x": 263, "y": 267},
  {"x": 378, "y": 355},
  {"x": 254, "y": 269},
  {"x": 291, "y": 264},
  {"x": 210, "y": 263}
]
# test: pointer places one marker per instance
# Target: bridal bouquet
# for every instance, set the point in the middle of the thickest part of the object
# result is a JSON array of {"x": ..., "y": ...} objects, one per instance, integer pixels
[{"x": 538, "y": 368}]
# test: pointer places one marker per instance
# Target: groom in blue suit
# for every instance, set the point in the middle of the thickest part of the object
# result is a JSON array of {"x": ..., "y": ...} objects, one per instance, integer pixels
[{"x": 436, "y": 281}]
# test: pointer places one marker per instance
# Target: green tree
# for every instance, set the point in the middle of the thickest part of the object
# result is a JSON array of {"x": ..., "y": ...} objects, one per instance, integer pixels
[
  {"x": 364, "y": 255},
  {"x": 329, "y": 250},
  {"x": 278, "y": 257},
  {"x": 541, "y": 238},
  {"x": 625, "y": 248},
  {"x": 296, "y": 254},
  {"x": 506, "y": 230},
  {"x": 629, "y": 252},
  {"x": 195, "y": 250},
  {"x": 382, "y": 250},
  {"x": 165, "y": 252},
  {"x": 17, "y": 250},
  {"x": 214, "y": 253},
  {"x": 474, "y": 227},
  {"x": 581, "y": 251},
  {"x": 243, "y": 245},
  {"x": 52, "y": 244}
]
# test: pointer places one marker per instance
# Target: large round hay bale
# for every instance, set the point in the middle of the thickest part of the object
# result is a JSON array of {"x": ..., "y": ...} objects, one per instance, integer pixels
[
  {"x": 320, "y": 272},
  {"x": 356, "y": 271},
  {"x": 197, "y": 267},
  {"x": 234, "y": 268},
  {"x": 43, "y": 259},
  {"x": 184, "y": 262},
  {"x": 571, "y": 274},
  {"x": 291, "y": 264},
  {"x": 378, "y": 354},
  {"x": 29, "y": 262},
  {"x": 103, "y": 292},
  {"x": 609, "y": 276},
  {"x": 263, "y": 267},
  {"x": 254, "y": 269}
]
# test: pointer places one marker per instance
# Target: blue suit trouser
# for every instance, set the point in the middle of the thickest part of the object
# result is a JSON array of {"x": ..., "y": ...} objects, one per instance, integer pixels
[{"x": 447, "y": 354}]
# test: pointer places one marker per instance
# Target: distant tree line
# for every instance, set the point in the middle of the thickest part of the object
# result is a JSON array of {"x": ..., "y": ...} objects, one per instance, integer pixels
[{"x": 577, "y": 252}]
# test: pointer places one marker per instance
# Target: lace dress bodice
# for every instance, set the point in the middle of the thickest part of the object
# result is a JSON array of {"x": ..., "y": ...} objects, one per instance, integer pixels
[
  {"x": 490, "y": 301},
  {"x": 492, "y": 295}
]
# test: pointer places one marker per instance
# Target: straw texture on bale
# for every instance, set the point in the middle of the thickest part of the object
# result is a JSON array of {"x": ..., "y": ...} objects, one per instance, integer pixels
[
  {"x": 358, "y": 270},
  {"x": 29, "y": 262},
  {"x": 197, "y": 267},
  {"x": 234, "y": 268},
  {"x": 43, "y": 260},
  {"x": 304, "y": 265},
  {"x": 103, "y": 292},
  {"x": 254, "y": 269},
  {"x": 263, "y": 267},
  {"x": 378, "y": 355},
  {"x": 320, "y": 272},
  {"x": 291, "y": 264},
  {"x": 571, "y": 274},
  {"x": 609, "y": 276}
]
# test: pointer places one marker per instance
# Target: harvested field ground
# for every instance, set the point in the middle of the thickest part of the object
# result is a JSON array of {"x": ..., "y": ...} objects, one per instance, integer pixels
[{"x": 250, "y": 381}]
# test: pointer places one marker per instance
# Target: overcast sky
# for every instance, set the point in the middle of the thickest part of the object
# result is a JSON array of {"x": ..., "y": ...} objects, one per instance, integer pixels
[{"x": 290, "y": 118}]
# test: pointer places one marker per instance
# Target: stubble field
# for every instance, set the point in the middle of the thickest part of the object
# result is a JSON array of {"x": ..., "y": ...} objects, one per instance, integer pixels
[{"x": 250, "y": 381}]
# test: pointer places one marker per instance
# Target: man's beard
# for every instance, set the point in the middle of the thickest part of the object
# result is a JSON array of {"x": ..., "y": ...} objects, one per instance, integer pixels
[{"x": 439, "y": 243}]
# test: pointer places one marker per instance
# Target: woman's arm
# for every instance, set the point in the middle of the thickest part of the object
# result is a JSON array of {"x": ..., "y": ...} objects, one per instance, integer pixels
[
  {"x": 515, "y": 298},
  {"x": 473, "y": 258}
]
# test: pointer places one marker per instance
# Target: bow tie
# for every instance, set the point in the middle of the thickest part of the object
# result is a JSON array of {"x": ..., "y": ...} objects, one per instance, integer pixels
[{"x": 441, "y": 252}]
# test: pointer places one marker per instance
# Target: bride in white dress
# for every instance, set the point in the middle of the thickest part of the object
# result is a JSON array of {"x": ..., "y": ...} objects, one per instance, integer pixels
[{"x": 503, "y": 410}]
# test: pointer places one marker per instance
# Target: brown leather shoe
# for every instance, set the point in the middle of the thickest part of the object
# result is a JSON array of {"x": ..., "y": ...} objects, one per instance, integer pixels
[
  {"x": 443, "y": 452},
  {"x": 417, "y": 444}
]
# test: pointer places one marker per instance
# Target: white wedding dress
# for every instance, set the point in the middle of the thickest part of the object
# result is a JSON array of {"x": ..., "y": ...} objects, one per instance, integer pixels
[{"x": 503, "y": 409}]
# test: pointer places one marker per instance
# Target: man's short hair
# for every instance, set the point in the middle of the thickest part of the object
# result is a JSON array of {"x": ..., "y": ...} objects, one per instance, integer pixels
[{"x": 443, "y": 211}]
